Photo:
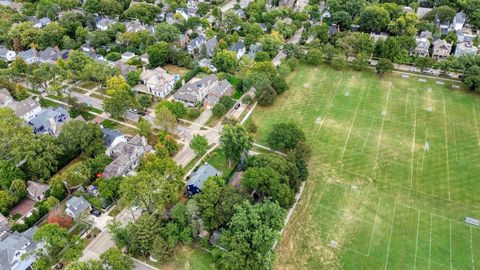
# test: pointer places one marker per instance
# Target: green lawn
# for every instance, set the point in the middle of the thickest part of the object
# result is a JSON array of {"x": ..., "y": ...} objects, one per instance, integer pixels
[
  {"x": 393, "y": 172},
  {"x": 218, "y": 160},
  {"x": 186, "y": 258}
]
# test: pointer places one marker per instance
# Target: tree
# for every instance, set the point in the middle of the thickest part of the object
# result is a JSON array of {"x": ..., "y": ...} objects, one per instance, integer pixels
[
  {"x": 374, "y": 18},
  {"x": 8, "y": 173},
  {"x": 343, "y": 19},
  {"x": 219, "y": 110},
  {"x": 248, "y": 240},
  {"x": 16, "y": 137},
  {"x": 285, "y": 136},
  {"x": 109, "y": 188},
  {"x": 18, "y": 188},
  {"x": 119, "y": 103},
  {"x": 279, "y": 84},
  {"x": 133, "y": 78},
  {"x": 472, "y": 77},
  {"x": 176, "y": 107},
  {"x": 339, "y": 61},
  {"x": 76, "y": 62},
  {"x": 158, "y": 54},
  {"x": 144, "y": 127},
  {"x": 266, "y": 95},
  {"x": 225, "y": 61},
  {"x": 235, "y": 142},
  {"x": 7, "y": 201},
  {"x": 88, "y": 265},
  {"x": 143, "y": 12},
  {"x": 208, "y": 198},
  {"x": 43, "y": 160},
  {"x": 56, "y": 239},
  {"x": 150, "y": 191},
  {"x": 165, "y": 117},
  {"x": 314, "y": 57},
  {"x": 116, "y": 260},
  {"x": 166, "y": 32},
  {"x": 262, "y": 56},
  {"x": 384, "y": 66},
  {"x": 57, "y": 216},
  {"x": 360, "y": 62},
  {"x": 76, "y": 108},
  {"x": 81, "y": 138},
  {"x": 199, "y": 144}
]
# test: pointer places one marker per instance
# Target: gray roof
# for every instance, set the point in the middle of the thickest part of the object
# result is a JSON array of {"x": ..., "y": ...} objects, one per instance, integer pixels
[
  {"x": 49, "y": 54},
  {"x": 77, "y": 205},
  {"x": 23, "y": 107},
  {"x": 36, "y": 189},
  {"x": 197, "y": 42},
  {"x": 237, "y": 46},
  {"x": 16, "y": 242},
  {"x": 211, "y": 45},
  {"x": 105, "y": 22},
  {"x": 189, "y": 91},
  {"x": 201, "y": 175},
  {"x": 47, "y": 117},
  {"x": 31, "y": 53},
  {"x": 109, "y": 135},
  {"x": 4, "y": 227}
]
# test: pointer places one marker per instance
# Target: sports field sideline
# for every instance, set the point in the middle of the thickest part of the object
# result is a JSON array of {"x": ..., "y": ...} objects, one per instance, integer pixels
[{"x": 393, "y": 173}]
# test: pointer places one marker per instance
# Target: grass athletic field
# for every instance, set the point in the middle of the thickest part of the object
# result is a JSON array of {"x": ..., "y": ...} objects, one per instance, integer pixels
[{"x": 393, "y": 175}]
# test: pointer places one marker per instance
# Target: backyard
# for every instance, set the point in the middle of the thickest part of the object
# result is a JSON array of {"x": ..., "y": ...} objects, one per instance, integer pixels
[{"x": 392, "y": 175}]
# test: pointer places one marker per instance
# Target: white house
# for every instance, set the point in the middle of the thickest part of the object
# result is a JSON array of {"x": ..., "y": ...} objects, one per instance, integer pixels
[
  {"x": 104, "y": 23},
  {"x": 25, "y": 109},
  {"x": 127, "y": 56},
  {"x": 157, "y": 82},
  {"x": 112, "y": 138},
  {"x": 37, "y": 191},
  {"x": 16, "y": 250},
  {"x": 458, "y": 21},
  {"x": 238, "y": 48},
  {"x": 77, "y": 206},
  {"x": 7, "y": 54}
]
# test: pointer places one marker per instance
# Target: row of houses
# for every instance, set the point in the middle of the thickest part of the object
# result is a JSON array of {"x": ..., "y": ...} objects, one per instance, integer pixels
[
  {"x": 49, "y": 55},
  {"x": 441, "y": 48}
]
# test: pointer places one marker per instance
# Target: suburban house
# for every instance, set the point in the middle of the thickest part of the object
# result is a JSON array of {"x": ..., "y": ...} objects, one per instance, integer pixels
[
  {"x": 422, "y": 47},
  {"x": 421, "y": 12},
  {"x": 465, "y": 43},
  {"x": 207, "y": 63},
  {"x": 224, "y": 88},
  {"x": 49, "y": 55},
  {"x": 39, "y": 23},
  {"x": 104, "y": 23},
  {"x": 37, "y": 191},
  {"x": 170, "y": 18},
  {"x": 30, "y": 56},
  {"x": 16, "y": 250},
  {"x": 126, "y": 156},
  {"x": 195, "y": 44},
  {"x": 134, "y": 27},
  {"x": 123, "y": 68},
  {"x": 253, "y": 49},
  {"x": 193, "y": 92},
  {"x": 112, "y": 138},
  {"x": 7, "y": 54},
  {"x": 195, "y": 183},
  {"x": 25, "y": 109},
  {"x": 76, "y": 206},
  {"x": 238, "y": 48},
  {"x": 13, "y": 5},
  {"x": 441, "y": 49},
  {"x": 127, "y": 56},
  {"x": 49, "y": 121},
  {"x": 156, "y": 82},
  {"x": 458, "y": 21},
  {"x": 211, "y": 45}
]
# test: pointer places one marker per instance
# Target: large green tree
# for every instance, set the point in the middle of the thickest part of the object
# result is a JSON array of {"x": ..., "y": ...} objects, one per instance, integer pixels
[
  {"x": 235, "y": 142},
  {"x": 16, "y": 137},
  {"x": 285, "y": 136}
]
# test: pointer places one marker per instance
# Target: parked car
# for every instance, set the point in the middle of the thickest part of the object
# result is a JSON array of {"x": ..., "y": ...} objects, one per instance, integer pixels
[
  {"x": 95, "y": 212},
  {"x": 237, "y": 106},
  {"x": 412, "y": 69},
  {"x": 428, "y": 71}
]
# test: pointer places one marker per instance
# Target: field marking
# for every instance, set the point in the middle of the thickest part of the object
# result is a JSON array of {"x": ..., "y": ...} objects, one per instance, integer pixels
[
  {"x": 476, "y": 124},
  {"x": 454, "y": 131},
  {"x": 451, "y": 266},
  {"x": 368, "y": 135},
  {"x": 424, "y": 150},
  {"x": 436, "y": 215},
  {"x": 391, "y": 231},
  {"x": 346, "y": 215},
  {"x": 330, "y": 101},
  {"x": 373, "y": 229},
  {"x": 413, "y": 140},
  {"x": 406, "y": 103},
  {"x": 416, "y": 242},
  {"x": 381, "y": 129},
  {"x": 430, "y": 244},
  {"x": 351, "y": 126},
  {"x": 471, "y": 248},
  {"x": 446, "y": 144}
]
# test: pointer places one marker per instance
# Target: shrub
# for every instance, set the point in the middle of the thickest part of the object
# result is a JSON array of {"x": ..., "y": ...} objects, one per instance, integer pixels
[
  {"x": 113, "y": 56},
  {"x": 227, "y": 101},
  {"x": 247, "y": 99},
  {"x": 219, "y": 110}
]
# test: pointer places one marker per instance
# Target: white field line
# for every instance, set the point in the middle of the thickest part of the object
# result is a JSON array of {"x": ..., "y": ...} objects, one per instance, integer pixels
[
  {"x": 454, "y": 131},
  {"x": 476, "y": 124},
  {"x": 391, "y": 231},
  {"x": 471, "y": 248},
  {"x": 446, "y": 145},
  {"x": 435, "y": 215},
  {"x": 381, "y": 129},
  {"x": 373, "y": 229},
  {"x": 413, "y": 140},
  {"x": 416, "y": 242},
  {"x": 327, "y": 107},
  {"x": 351, "y": 126},
  {"x": 451, "y": 266},
  {"x": 346, "y": 215},
  {"x": 430, "y": 244},
  {"x": 424, "y": 150},
  {"x": 368, "y": 135}
]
